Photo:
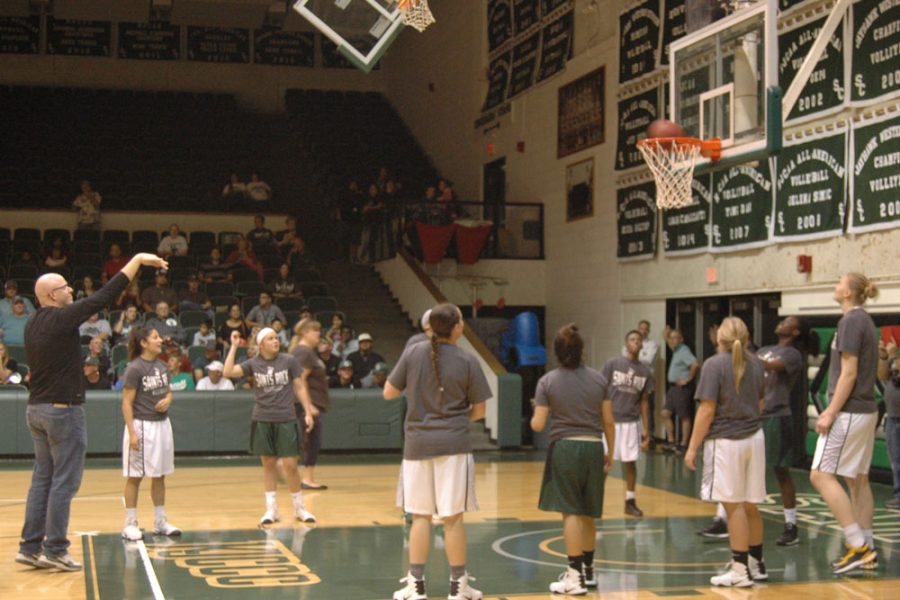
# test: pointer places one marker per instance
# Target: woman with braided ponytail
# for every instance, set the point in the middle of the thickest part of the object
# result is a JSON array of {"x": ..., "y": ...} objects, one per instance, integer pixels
[{"x": 445, "y": 389}]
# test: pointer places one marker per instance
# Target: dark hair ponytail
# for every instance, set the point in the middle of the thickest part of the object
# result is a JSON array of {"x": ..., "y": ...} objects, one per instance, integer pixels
[
  {"x": 568, "y": 346},
  {"x": 444, "y": 317},
  {"x": 138, "y": 335}
]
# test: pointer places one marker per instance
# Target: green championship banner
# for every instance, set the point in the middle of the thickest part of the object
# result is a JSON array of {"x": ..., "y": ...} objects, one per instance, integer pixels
[
  {"x": 636, "y": 222},
  {"x": 218, "y": 45},
  {"x": 635, "y": 115},
  {"x": 273, "y": 46},
  {"x": 686, "y": 230},
  {"x": 20, "y": 35},
  {"x": 742, "y": 207},
  {"x": 638, "y": 40},
  {"x": 498, "y": 81},
  {"x": 825, "y": 90},
  {"x": 524, "y": 64},
  {"x": 556, "y": 45},
  {"x": 78, "y": 38},
  {"x": 811, "y": 190},
  {"x": 149, "y": 41},
  {"x": 875, "y": 177},
  {"x": 674, "y": 26},
  {"x": 875, "y": 66}
]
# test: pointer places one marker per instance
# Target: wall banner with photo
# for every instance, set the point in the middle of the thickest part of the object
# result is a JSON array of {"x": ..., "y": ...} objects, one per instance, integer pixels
[
  {"x": 581, "y": 113},
  {"x": 580, "y": 190},
  {"x": 636, "y": 222}
]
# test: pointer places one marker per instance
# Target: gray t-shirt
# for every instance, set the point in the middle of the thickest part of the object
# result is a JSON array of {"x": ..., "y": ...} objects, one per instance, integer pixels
[
  {"x": 856, "y": 335},
  {"x": 150, "y": 380},
  {"x": 780, "y": 383},
  {"x": 317, "y": 381},
  {"x": 258, "y": 314},
  {"x": 737, "y": 412},
  {"x": 438, "y": 424},
  {"x": 892, "y": 391},
  {"x": 273, "y": 385},
  {"x": 574, "y": 397},
  {"x": 626, "y": 381},
  {"x": 417, "y": 338}
]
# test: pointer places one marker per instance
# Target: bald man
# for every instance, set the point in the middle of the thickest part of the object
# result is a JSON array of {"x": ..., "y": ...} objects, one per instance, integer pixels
[{"x": 55, "y": 412}]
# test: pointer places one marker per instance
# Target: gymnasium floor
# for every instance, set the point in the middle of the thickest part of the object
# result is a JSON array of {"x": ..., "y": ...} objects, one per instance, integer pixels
[{"x": 357, "y": 549}]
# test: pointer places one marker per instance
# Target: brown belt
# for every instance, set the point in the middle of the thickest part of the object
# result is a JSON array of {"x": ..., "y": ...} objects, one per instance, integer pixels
[{"x": 60, "y": 405}]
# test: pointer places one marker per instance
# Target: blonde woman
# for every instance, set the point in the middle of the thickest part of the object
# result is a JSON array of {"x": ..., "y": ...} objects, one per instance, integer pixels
[{"x": 9, "y": 368}]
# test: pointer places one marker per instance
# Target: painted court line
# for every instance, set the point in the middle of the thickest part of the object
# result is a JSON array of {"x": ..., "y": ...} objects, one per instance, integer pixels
[{"x": 151, "y": 574}]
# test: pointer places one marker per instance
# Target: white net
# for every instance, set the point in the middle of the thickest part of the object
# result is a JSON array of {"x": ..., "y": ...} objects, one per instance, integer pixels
[
  {"x": 672, "y": 165},
  {"x": 416, "y": 14}
]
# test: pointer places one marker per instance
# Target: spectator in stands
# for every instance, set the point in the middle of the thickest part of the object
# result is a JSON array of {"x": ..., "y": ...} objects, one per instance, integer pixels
[
  {"x": 445, "y": 191},
  {"x": 258, "y": 190},
  {"x": 114, "y": 263},
  {"x": 128, "y": 319},
  {"x": 9, "y": 369},
  {"x": 87, "y": 203},
  {"x": 10, "y": 292},
  {"x": 94, "y": 378},
  {"x": 194, "y": 299},
  {"x": 372, "y": 221},
  {"x": 97, "y": 349},
  {"x": 214, "y": 381},
  {"x": 285, "y": 237},
  {"x": 95, "y": 327},
  {"x": 87, "y": 288},
  {"x": 161, "y": 292},
  {"x": 235, "y": 190},
  {"x": 334, "y": 332},
  {"x": 12, "y": 324},
  {"x": 173, "y": 244},
  {"x": 244, "y": 256},
  {"x": 297, "y": 257},
  {"x": 234, "y": 322},
  {"x": 393, "y": 208},
  {"x": 261, "y": 236},
  {"x": 210, "y": 354},
  {"x": 130, "y": 296},
  {"x": 345, "y": 378},
  {"x": 215, "y": 269},
  {"x": 284, "y": 285},
  {"x": 330, "y": 359},
  {"x": 348, "y": 344},
  {"x": 265, "y": 312},
  {"x": 281, "y": 332},
  {"x": 26, "y": 258},
  {"x": 179, "y": 381},
  {"x": 305, "y": 313},
  {"x": 166, "y": 324},
  {"x": 205, "y": 335},
  {"x": 348, "y": 217},
  {"x": 57, "y": 257},
  {"x": 377, "y": 377},
  {"x": 364, "y": 359},
  {"x": 384, "y": 176}
]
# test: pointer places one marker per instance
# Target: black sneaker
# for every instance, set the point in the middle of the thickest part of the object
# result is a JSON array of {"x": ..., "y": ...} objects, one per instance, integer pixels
[
  {"x": 717, "y": 529},
  {"x": 632, "y": 510},
  {"x": 789, "y": 537}
]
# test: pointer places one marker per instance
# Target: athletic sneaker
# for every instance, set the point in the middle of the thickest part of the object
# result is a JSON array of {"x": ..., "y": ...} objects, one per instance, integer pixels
[
  {"x": 716, "y": 529},
  {"x": 132, "y": 532},
  {"x": 163, "y": 527},
  {"x": 571, "y": 582},
  {"x": 63, "y": 562},
  {"x": 632, "y": 510},
  {"x": 29, "y": 559},
  {"x": 414, "y": 589},
  {"x": 304, "y": 515},
  {"x": 872, "y": 565},
  {"x": 737, "y": 575},
  {"x": 893, "y": 503},
  {"x": 271, "y": 516},
  {"x": 853, "y": 558},
  {"x": 460, "y": 590},
  {"x": 587, "y": 571},
  {"x": 757, "y": 569},
  {"x": 790, "y": 536}
]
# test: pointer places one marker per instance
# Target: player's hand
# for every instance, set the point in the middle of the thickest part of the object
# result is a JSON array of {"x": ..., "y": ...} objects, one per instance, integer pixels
[
  {"x": 314, "y": 411},
  {"x": 151, "y": 260},
  {"x": 163, "y": 405},
  {"x": 310, "y": 421},
  {"x": 645, "y": 442},
  {"x": 891, "y": 348},
  {"x": 607, "y": 461},
  {"x": 690, "y": 459},
  {"x": 235, "y": 338},
  {"x": 824, "y": 423},
  {"x": 133, "y": 441}
]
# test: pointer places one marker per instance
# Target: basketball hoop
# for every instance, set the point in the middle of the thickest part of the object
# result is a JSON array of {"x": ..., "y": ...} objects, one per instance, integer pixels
[
  {"x": 416, "y": 14},
  {"x": 671, "y": 160}
]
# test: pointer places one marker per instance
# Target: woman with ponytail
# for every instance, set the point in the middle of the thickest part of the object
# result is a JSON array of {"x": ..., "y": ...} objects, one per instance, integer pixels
[
  {"x": 846, "y": 427},
  {"x": 445, "y": 389},
  {"x": 728, "y": 426}
]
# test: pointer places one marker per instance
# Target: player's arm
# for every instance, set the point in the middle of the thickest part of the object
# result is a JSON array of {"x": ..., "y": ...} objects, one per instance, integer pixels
[
  {"x": 164, "y": 404},
  {"x": 231, "y": 370},
  {"x": 476, "y": 413},
  {"x": 842, "y": 391},
  {"x": 609, "y": 431},
  {"x": 774, "y": 364},
  {"x": 391, "y": 392},
  {"x": 128, "y": 395},
  {"x": 645, "y": 421},
  {"x": 702, "y": 422},
  {"x": 301, "y": 392}
]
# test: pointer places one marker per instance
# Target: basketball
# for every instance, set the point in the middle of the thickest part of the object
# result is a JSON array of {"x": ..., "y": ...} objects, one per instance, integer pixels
[{"x": 662, "y": 128}]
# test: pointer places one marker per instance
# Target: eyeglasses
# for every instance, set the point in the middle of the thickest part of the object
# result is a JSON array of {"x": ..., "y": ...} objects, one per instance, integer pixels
[{"x": 62, "y": 287}]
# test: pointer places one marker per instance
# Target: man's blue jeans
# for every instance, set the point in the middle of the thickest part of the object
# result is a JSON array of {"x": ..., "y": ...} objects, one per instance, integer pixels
[
  {"x": 892, "y": 436},
  {"x": 60, "y": 441}
]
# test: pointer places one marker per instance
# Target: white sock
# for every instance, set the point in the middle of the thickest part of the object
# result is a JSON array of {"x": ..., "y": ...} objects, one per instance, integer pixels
[
  {"x": 721, "y": 515},
  {"x": 159, "y": 512},
  {"x": 629, "y": 495},
  {"x": 270, "y": 500},
  {"x": 297, "y": 497},
  {"x": 130, "y": 515},
  {"x": 790, "y": 516},
  {"x": 854, "y": 535},
  {"x": 870, "y": 537}
]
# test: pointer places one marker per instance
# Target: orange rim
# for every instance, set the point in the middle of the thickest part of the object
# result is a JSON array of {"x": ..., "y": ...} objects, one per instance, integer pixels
[{"x": 711, "y": 149}]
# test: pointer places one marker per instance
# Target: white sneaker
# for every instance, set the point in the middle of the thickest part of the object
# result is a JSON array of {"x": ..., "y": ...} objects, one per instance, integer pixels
[
  {"x": 63, "y": 562},
  {"x": 571, "y": 582},
  {"x": 737, "y": 575},
  {"x": 757, "y": 569},
  {"x": 271, "y": 516},
  {"x": 132, "y": 532},
  {"x": 163, "y": 527},
  {"x": 304, "y": 515},
  {"x": 460, "y": 590},
  {"x": 414, "y": 589}
]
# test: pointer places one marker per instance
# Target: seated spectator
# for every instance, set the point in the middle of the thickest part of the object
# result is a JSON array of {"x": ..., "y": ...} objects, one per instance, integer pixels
[
  {"x": 87, "y": 288},
  {"x": 58, "y": 256},
  {"x": 445, "y": 191},
  {"x": 214, "y": 381},
  {"x": 173, "y": 244},
  {"x": 257, "y": 190},
  {"x": 161, "y": 292},
  {"x": 87, "y": 203},
  {"x": 9, "y": 369},
  {"x": 347, "y": 344},
  {"x": 179, "y": 380},
  {"x": 94, "y": 378},
  {"x": 297, "y": 257},
  {"x": 244, "y": 256},
  {"x": 278, "y": 328},
  {"x": 128, "y": 320},
  {"x": 284, "y": 286},
  {"x": 194, "y": 299},
  {"x": 114, "y": 263},
  {"x": 26, "y": 258},
  {"x": 95, "y": 327},
  {"x": 11, "y": 292},
  {"x": 345, "y": 378},
  {"x": 265, "y": 312},
  {"x": 364, "y": 359},
  {"x": 211, "y": 354},
  {"x": 130, "y": 296},
  {"x": 214, "y": 268},
  {"x": 330, "y": 360},
  {"x": 235, "y": 190},
  {"x": 234, "y": 322},
  {"x": 12, "y": 324},
  {"x": 305, "y": 313},
  {"x": 334, "y": 333},
  {"x": 285, "y": 238},
  {"x": 97, "y": 349},
  {"x": 377, "y": 377},
  {"x": 205, "y": 336},
  {"x": 261, "y": 236},
  {"x": 166, "y": 325}
]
